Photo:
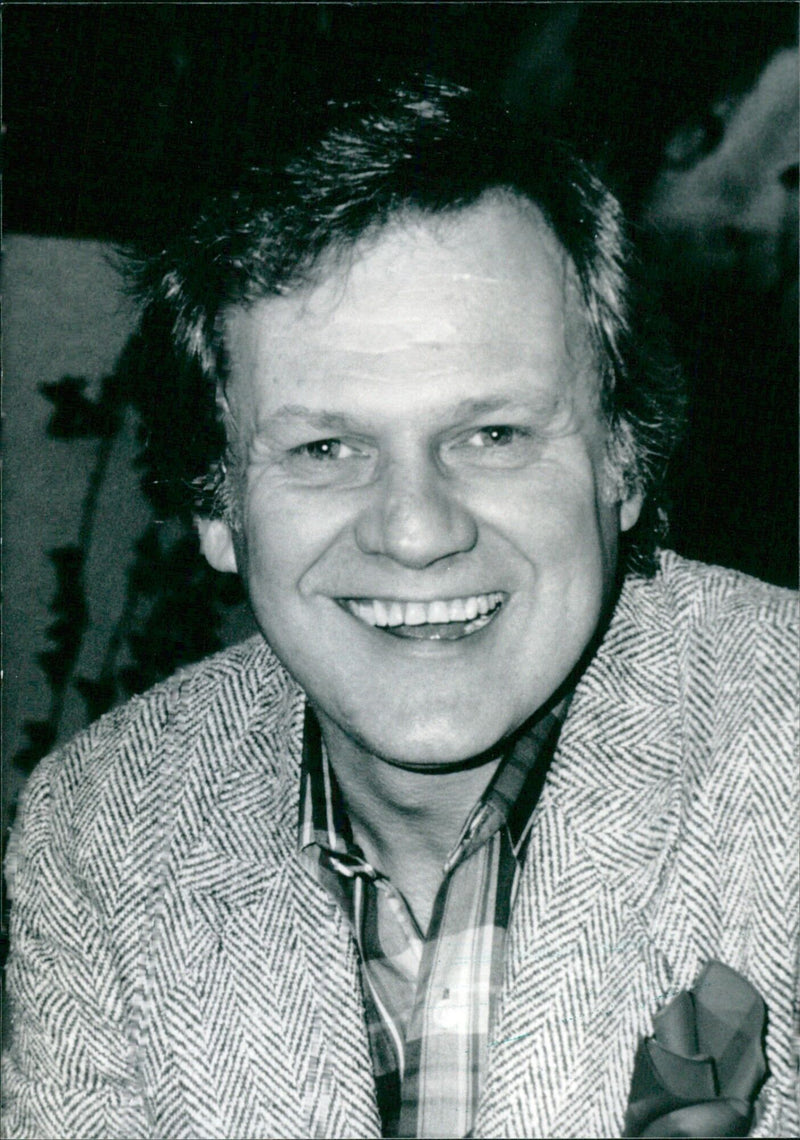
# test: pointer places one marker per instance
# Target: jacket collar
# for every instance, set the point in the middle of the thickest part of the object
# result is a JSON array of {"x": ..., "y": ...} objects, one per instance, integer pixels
[
  {"x": 616, "y": 775},
  {"x": 584, "y": 970},
  {"x": 240, "y": 802},
  {"x": 264, "y": 990}
]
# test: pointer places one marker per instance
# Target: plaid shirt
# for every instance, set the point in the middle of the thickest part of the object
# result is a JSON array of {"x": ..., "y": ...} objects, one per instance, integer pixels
[{"x": 429, "y": 997}]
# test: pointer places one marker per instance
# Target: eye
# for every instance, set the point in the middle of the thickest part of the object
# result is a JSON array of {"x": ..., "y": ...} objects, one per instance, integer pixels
[
  {"x": 324, "y": 449},
  {"x": 497, "y": 435},
  {"x": 495, "y": 445},
  {"x": 329, "y": 462}
]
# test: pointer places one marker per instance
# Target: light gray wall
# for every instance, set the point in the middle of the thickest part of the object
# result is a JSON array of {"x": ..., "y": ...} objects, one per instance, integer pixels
[{"x": 64, "y": 314}]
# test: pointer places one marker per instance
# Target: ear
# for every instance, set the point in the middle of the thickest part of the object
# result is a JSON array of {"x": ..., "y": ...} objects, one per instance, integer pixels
[
  {"x": 629, "y": 511},
  {"x": 216, "y": 544}
]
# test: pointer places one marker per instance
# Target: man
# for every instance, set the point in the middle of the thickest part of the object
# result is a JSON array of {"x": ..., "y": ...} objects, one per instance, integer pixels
[{"x": 428, "y": 857}]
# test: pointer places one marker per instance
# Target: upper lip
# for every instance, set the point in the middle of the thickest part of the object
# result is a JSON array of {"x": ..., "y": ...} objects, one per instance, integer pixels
[
  {"x": 391, "y": 613},
  {"x": 449, "y": 596}
]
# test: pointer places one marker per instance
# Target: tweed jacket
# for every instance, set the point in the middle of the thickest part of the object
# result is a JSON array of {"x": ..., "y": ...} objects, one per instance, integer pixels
[{"x": 177, "y": 972}]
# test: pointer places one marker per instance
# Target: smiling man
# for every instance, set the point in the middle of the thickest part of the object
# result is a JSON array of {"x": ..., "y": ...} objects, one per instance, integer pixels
[{"x": 499, "y": 778}]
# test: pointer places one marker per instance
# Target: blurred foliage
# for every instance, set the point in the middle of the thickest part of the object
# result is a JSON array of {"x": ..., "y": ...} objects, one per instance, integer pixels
[{"x": 171, "y": 612}]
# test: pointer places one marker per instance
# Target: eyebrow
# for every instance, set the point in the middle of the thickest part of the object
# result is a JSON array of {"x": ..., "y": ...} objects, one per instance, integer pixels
[
  {"x": 324, "y": 421},
  {"x": 464, "y": 409},
  {"x": 533, "y": 400}
]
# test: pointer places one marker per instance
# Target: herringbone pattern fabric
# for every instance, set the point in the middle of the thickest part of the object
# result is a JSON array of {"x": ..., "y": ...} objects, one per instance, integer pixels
[{"x": 176, "y": 972}]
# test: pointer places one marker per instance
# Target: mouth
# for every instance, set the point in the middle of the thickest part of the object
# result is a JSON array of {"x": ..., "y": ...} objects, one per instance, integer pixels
[{"x": 445, "y": 619}]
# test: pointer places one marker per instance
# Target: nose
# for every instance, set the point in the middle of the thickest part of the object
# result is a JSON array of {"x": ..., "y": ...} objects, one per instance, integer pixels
[{"x": 414, "y": 517}]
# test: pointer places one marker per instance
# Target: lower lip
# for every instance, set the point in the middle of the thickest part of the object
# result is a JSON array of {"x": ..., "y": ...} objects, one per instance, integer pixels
[{"x": 436, "y": 632}]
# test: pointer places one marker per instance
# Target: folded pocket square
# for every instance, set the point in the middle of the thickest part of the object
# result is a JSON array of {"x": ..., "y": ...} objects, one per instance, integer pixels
[{"x": 700, "y": 1072}]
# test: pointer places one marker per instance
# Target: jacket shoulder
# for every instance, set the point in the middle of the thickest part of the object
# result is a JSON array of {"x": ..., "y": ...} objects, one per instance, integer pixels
[
  {"x": 85, "y": 803},
  {"x": 734, "y": 643},
  {"x": 702, "y": 595}
]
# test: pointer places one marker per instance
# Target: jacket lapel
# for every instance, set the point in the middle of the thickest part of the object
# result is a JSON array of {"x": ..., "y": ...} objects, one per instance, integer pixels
[
  {"x": 277, "y": 1044},
  {"x": 264, "y": 1009},
  {"x": 584, "y": 974}
]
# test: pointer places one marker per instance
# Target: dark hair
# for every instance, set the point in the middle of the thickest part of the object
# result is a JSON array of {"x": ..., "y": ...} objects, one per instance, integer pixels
[{"x": 433, "y": 149}]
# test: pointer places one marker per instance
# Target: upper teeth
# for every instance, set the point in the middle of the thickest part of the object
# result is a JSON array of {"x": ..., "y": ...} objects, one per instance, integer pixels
[{"x": 380, "y": 612}]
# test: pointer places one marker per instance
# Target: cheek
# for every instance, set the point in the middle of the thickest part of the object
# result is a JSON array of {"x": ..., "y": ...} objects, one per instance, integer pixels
[
  {"x": 283, "y": 537},
  {"x": 560, "y": 517},
  {"x": 271, "y": 550}
]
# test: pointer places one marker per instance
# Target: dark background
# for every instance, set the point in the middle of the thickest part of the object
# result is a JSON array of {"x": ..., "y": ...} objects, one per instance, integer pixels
[
  {"x": 114, "y": 111},
  {"x": 119, "y": 116}
]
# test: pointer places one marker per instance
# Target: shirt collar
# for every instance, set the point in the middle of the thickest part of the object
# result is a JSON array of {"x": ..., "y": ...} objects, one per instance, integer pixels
[
  {"x": 323, "y": 817},
  {"x": 512, "y": 792},
  {"x": 509, "y": 798}
]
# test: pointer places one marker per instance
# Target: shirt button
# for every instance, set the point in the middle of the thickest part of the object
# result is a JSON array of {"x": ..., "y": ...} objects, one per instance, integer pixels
[{"x": 448, "y": 1016}]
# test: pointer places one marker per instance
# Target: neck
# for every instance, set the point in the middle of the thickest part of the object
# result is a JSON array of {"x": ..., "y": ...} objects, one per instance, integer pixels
[{"x": 405, "y": 820}]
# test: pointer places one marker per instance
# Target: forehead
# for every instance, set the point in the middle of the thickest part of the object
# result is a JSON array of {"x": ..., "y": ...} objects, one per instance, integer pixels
[{"x": 428, "y": 293}]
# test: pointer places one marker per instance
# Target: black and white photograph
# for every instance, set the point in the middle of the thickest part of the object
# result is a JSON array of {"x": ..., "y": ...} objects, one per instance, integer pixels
[{"x": 401, "y": 646}]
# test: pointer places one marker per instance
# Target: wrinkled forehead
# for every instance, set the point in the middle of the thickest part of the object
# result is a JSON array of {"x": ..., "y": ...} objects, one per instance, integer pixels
[{"x": 490, "y": 273}]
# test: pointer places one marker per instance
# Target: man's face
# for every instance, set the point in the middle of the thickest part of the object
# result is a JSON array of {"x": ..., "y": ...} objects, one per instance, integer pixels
[{"x": 427, "y": 537}]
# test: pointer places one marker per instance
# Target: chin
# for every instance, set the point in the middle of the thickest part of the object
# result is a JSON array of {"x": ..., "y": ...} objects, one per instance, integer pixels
[{"x": 434, "y": 747}]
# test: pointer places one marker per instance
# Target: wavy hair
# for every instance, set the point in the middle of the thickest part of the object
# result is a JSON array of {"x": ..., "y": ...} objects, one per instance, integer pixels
[{"x": 433, "y": 149}]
